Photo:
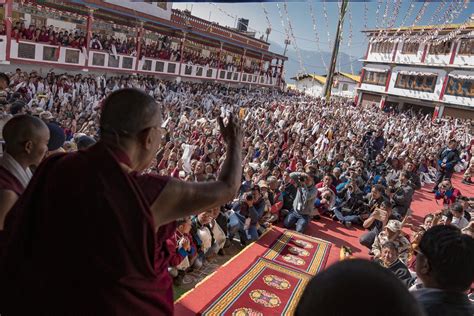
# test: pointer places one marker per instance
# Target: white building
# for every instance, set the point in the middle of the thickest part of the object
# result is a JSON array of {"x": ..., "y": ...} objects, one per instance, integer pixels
[
  {"x": 344, "y": 84},
  {"x": 428, "y": 68}
]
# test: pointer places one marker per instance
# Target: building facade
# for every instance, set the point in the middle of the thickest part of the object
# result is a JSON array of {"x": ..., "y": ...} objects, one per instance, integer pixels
[
  {"x": 239, "y": 59},
  {"x": 427, "y": 68},
  {"x": 344, "y": 84}
]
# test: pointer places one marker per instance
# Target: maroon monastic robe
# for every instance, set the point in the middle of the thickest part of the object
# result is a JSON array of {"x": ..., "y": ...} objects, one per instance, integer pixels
[
  {"x": 9, "y": 182},
  {"x": 81, "y": 240}
]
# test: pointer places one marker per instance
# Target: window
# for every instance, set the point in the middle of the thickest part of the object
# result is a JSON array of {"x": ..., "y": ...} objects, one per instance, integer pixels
[
  {"x": 417, "y": 82},
  {"x": 376, "y": 78},
  {"x": 466, "y": 47},
  {"x": 410, "y": 48},
  {"x": 383, "y": 47},
  {"x": 441, "y": 48},
  {"x": 460, "y": 87},
  {"x": 345, "y": 87}
]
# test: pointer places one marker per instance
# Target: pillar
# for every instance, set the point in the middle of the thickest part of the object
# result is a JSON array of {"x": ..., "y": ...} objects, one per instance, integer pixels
[
  {"x": 453, "y": 53},
  {"x": 242, "y": 61},
  {"x": 382, "y": 102},
  {"x": 90, "y": 20},
  {"x": 181, "y": 49},
  {"x": 219, "y": 56},
  {"x": 281, "y": 71},
  {"x": 387, "y": 82},
  {"x": 261, "y": 66},
  {"x": 139, "y": 44},
  {"x": 8, "y": 24},
  {"x": 438, "y": 112}
]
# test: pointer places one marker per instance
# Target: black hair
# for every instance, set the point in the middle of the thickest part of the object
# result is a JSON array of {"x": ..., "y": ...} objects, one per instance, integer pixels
[
  {"x": 181, "y": 221},
  {"x": 450, "y": 255},
  {"x": 391, "y": 245},
  {"x": 457, "y": 207},
  {"x": 352, "y": 282},
  {"x": 379, "y": 188},
  {"x": 3, "y": 76}
]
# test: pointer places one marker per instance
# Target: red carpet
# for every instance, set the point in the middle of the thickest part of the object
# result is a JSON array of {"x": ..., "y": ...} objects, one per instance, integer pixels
[
  {"x": 298, "y": 251},
  {"x": 266, "y": 288},
  {"x": 326, "y": 229}
]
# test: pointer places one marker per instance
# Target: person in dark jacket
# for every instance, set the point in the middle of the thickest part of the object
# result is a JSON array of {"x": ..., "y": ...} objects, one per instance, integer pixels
[
  {"x": 389, "y": 259},
  {"x": 445, "y": 265},
  {"x": 447, "y": 159}
]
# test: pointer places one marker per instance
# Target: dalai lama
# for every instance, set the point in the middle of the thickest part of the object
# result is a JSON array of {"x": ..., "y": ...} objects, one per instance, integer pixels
[{"x": 87, "y": 237}]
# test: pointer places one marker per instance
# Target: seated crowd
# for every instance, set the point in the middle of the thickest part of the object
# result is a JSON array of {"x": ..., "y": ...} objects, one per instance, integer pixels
[{"x": 304, "y": 158}]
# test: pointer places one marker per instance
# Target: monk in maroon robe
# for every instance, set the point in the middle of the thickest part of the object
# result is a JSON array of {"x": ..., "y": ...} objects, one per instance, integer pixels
[
  {"x": 26, "y": 142},
  {"x": 88, "y": 235}
]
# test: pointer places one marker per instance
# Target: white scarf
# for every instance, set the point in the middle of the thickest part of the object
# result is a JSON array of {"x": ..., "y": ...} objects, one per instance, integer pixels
[{"x": 9, "y": 163}]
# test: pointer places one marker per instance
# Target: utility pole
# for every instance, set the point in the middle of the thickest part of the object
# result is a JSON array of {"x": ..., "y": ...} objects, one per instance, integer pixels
[
  {"x": 335, "y": 51},
  {"x": 268, "y": 31},
  {"x": 287, "y": 42}
]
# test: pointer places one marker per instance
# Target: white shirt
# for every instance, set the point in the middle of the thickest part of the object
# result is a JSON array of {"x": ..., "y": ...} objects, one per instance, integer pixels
[{"x": 459, "y": 222}]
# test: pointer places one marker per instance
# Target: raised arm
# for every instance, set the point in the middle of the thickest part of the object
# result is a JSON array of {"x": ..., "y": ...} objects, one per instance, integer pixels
[{"x": 180, "y": 199}]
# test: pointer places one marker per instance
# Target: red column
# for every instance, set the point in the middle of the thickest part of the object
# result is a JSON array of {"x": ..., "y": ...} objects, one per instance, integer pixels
[
  {"x": 395, "y": 52},
  {"x": 139, "y": 44},
  {"x": 443, "y": 88},
  {"x": 424, "y": 53},
  {"x": 90, "y": 20},
  {"x": 8, "y": 24},
  {"x": 453, "y": 53},
  {"x": 219, "y": 61},
  {"x": 181, "y": 49},
  {"x": 261, "y": 66},
  {"x": 242, "y": 61},
  {"x": 387, "y": 83},
  {"x": 382, "y": 102},
  {"x": 367, "y": 51},
  {"x": 281, "y": 72},
  {"x": 219, "y": 56},
  {"x": 435, "y": 113}
]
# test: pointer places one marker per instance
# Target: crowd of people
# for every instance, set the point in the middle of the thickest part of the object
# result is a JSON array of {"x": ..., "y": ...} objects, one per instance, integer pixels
[
  {"x": 303, "y": 158},
  {"x": 160, "y": 48}
]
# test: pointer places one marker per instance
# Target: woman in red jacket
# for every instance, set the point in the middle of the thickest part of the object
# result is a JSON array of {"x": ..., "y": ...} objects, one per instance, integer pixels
[{"x": 447, "y": 193}]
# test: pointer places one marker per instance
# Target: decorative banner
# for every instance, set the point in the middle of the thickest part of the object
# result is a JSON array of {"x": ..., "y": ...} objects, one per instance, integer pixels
[
  {"x": 316, "y": 36},
  {"x": 325, "y": 11},
  {"x": 407, "y": 16},
  {"x": 449, "y": 17},
  {"x": 290, "y": 28},
  {"x": 441, "y": 21},
  {"x": 366, "y": 14},
  {"x": 407, "y": 34},
  {"x": 385, "y": 13},
  {"x": 377, "y": 14},
  {"x": 349, "y": 41},
  {"x": 266, "y": 16}
]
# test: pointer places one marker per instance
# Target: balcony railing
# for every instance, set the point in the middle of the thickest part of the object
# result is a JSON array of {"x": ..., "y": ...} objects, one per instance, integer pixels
[{"x": 33, "y": 52}]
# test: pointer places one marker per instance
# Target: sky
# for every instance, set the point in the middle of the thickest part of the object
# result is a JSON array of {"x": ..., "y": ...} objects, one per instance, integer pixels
[{"x": 359, "y": 15}]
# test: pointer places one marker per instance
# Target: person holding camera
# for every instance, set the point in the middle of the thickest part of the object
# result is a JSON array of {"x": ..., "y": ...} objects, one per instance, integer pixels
[
  {"x": 401, "y": 196},
  {"x": 375, "y": 223},
  {"x": 244, "y": 220},
  {"x": 447, "y": 159},
  {"x": 306, "y": 193},
  {"x": 348, "y": 200}
]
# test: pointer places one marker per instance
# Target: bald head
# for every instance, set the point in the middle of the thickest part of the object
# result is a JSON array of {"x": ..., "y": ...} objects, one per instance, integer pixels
[
  {"x": 126, "y": 112},
  {"x": 20, "y": 129},
  {"x": 26, "y": 139}
]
